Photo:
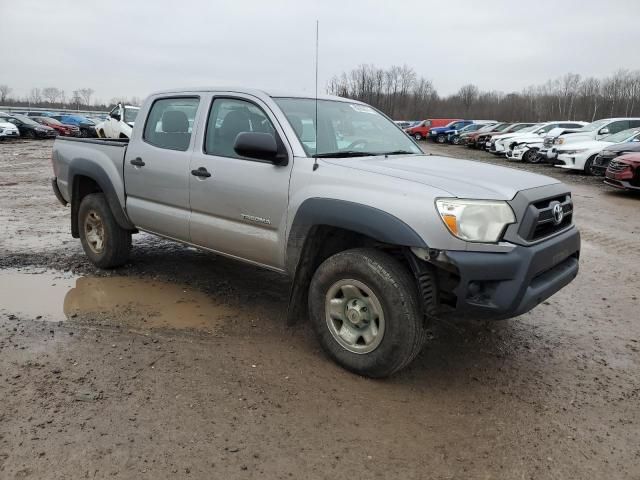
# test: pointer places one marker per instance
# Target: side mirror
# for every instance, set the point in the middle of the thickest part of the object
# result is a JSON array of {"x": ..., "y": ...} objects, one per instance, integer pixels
[
  {"x": 115, "y": 116},
  {"x": 261, "y": 146},
  {"x": 604, "y": 131}
]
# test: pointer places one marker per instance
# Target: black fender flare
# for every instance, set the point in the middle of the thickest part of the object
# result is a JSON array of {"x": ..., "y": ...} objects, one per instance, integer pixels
[
  {"x": 97, "y": 174},
  {"x": 359, "y": 218}
]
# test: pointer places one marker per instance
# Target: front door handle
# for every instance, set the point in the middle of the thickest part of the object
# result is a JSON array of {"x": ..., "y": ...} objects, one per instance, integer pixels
[
  {"x": 137, "y": 162},
  {"x": 201, "y": 172}
]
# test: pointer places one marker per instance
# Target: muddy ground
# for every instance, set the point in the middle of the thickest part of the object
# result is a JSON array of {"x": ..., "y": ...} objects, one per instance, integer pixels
[{"x": 179, "y": 365}]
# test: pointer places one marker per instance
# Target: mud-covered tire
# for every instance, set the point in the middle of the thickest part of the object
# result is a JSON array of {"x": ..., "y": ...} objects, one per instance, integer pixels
[
  {"x": 395, "y": 289},
  {"x": 116, "y": 241}
]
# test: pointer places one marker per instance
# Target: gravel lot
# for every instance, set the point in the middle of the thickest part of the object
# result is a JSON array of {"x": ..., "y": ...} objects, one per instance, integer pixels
[{"x": 179, "y": 365}]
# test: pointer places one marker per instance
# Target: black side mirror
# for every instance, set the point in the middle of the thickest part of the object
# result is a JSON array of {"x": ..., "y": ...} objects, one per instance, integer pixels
[
  {"x": 116, "y": 117},
  {"x": 261, "y": 146}
]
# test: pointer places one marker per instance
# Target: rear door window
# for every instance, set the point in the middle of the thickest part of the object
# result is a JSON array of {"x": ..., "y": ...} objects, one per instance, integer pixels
[{"x": 170, "y": 123}]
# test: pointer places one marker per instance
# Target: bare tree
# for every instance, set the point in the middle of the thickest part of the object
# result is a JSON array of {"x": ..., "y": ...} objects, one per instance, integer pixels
[
  {"x": 468, "y": 95},
  {"x": 85, "y": 94},
  {"x": 35, "y": 96},
  {"x": 4, "y": 92},
  {"x": 51, "y": 94}
]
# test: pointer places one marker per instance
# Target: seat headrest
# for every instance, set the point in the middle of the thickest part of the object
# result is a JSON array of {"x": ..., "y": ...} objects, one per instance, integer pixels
[
  {"x": 234, "y": 123},
  {"x": 175, "y": 121}
]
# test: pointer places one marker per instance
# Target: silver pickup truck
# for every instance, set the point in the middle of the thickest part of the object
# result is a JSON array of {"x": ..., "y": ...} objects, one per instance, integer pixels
[{"x": 377, "y": 237}]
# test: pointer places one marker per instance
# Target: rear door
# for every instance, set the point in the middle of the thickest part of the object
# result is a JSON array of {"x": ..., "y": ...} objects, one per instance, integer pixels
[
  {"x": 156, "y": 167},
  {"x": 240, "y": 209}
]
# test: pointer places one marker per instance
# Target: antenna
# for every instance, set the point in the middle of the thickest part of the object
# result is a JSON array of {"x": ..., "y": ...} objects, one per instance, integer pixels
[{"x": 315, "y": 161}]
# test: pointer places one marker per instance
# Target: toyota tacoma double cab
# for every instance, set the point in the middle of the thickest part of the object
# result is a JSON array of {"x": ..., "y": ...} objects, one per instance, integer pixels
[{"x": 377, "y": 238}]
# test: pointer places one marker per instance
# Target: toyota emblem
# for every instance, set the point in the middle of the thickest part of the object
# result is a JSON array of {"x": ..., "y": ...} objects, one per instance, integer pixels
[{"x": 558, "y": 214}]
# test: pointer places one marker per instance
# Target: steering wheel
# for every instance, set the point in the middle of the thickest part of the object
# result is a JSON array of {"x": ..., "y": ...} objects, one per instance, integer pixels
[{"x": 355, "y": 143}]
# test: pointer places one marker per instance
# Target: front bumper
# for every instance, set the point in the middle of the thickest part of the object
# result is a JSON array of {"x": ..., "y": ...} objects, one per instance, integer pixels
[
  {"x": 517, "y": 154},
  {"x": 549, "y": 154},
  {"x": 624, "y": 180},
  {"x": 504, "y": 285}
]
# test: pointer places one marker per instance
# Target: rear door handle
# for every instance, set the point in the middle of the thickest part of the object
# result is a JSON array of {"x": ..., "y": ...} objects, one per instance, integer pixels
[
  {"x": 201, "y": 172},
  {"x": 137, "y": 162}
]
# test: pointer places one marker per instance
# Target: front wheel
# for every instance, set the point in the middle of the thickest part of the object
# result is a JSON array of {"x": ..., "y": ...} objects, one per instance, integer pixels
[
  {"x": 531, "y": 156},
  {"x": 441, "y": 138},
  {"x": 588, "y": 164},
  {"x": 455, "y": 140},
  {"x": 365, "y": 312},
  {"x": 105, "y": 242},
  {"x": 418, "y": 136}
]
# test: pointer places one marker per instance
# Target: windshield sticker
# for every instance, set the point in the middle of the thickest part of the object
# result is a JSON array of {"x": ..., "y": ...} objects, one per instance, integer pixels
[{"x": 362, "y": 108}]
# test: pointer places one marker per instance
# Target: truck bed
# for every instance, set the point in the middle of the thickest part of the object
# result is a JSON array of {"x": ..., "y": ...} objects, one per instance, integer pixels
[{"x": 101, "y": 159}]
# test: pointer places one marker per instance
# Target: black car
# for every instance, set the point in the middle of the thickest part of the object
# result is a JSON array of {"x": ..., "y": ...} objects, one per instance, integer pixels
[
  {"x": 29, "y": 128},
  {"x": 601, "y": 162}
]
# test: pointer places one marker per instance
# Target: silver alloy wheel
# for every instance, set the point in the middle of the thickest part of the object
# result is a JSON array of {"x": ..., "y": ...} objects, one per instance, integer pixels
[
  {"x": 354, "y": 316},
  {"x": 94, "y": 231}
]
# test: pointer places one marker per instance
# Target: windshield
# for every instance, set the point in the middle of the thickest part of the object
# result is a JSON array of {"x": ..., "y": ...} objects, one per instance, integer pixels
[
  {"x": 345, "y": 129},
  {"x": 529, "y": 129},
  {"x": 518, "y": 127},
  {"x": 594, "y": 126},
  {"x": 130, "y": 114},
  {"x": 621, "y": 137},
  {"x": 26, "y": 120}
]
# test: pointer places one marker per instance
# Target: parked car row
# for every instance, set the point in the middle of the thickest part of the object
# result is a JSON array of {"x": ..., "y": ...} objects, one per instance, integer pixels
[
  {"x": 47, "y": 125},
  {"x": 609, "y": 147}
]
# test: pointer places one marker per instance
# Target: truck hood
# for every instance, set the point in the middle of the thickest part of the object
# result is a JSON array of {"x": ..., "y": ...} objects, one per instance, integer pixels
[
  {"x": 459, "y": 178},
  {"x": 588, "y": 145},
  {"x": 578, "y": 137}
]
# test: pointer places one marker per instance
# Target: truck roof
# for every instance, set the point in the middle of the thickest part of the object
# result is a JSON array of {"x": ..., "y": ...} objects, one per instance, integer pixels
[{"x": 255, "y": 92}]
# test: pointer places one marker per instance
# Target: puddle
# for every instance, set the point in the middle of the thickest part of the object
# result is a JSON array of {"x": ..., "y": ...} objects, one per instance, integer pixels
[{"x": 135, "y": 302}]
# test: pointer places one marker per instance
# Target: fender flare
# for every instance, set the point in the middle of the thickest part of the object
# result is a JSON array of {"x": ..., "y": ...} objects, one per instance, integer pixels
[
  {"x": 99, "y": 175},
  {"x": 366, "y": 220}
]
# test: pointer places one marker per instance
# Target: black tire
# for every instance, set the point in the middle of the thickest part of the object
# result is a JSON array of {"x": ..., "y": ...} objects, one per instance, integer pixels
[
  {"x": 441, "y": 138},
  {"x": 116, "y": 242},
  {"x": 455, "y": 140},
  {"x": 417, "y": 136},
  {"x": 531, "y": 156},
  {"x": 396, "y": 290},
  {"x": 30, "y": 134},
  {"x": 588, "y": 164}
]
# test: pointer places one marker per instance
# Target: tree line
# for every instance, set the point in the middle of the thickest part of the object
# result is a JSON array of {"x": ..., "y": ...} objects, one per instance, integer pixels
[
  {"x": 402, "y": 94},
  {"x": 54, "y": 98}
]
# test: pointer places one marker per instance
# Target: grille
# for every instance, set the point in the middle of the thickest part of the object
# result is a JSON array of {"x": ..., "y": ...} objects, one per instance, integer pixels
[
  {"x": 540, "y": 222},
  {"x": 616, "y": 166}
]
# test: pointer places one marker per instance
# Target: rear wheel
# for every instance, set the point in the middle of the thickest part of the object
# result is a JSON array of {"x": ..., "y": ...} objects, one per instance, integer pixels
[
  {"x": 365, "y": 312},
  {"x": 105, "y": 242},
  {"x": 418, "y": 136}
]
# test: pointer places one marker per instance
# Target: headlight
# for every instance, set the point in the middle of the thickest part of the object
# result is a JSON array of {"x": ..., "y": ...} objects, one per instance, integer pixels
[
  {"x": 559, "y": 141},
  {"x": 475, "y": 220}
]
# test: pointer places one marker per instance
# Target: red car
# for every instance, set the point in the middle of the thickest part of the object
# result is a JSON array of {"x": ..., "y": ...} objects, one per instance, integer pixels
[
  {"x": 61, "y": 128},
  {"x": 624, "y": 172},
  {"x": 421, "y": 131}
]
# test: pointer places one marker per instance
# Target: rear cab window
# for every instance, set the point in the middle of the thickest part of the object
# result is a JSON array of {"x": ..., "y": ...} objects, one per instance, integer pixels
[{"x": 169, "y": 124}]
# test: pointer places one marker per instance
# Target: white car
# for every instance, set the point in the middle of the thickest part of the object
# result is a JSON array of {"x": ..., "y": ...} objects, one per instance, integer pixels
[
  {"x": 525, "y": 147},
  {"x": 8, "y": 130},
  {"x": 119, "y": 123},
  {"x": 580, "y": 155}
]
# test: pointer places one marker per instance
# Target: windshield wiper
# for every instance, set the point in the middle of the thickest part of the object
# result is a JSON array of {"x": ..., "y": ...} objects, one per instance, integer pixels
[
  {"x": 398, "y": 152},
  {"x": 345, "y": 154}
]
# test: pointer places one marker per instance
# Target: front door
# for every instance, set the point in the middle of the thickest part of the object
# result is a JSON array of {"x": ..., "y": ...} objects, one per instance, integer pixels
[
  {"x": 240, "y": 209},
  {"x": 156, "y": 168}
]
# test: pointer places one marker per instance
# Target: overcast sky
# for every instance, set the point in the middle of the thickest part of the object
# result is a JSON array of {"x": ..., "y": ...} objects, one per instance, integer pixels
[{"x": 131, "y": 48}]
